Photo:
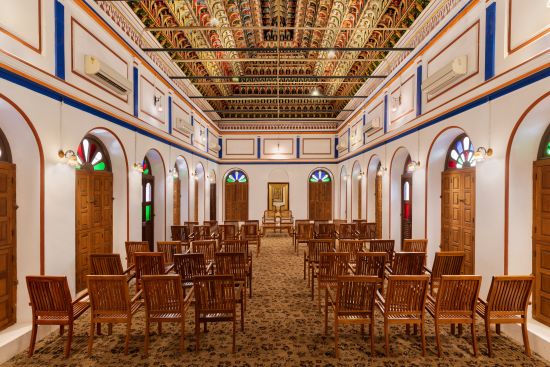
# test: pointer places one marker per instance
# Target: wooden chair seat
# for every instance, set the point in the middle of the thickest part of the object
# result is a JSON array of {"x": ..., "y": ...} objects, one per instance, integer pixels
[{"x": 113, "y": 317}]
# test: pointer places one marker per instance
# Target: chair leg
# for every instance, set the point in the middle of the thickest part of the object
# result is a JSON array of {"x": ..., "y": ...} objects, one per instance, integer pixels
[
  {"x": 146, "y": 335},
  {"x": 69, "y": 341},
  {"x": 438, "y": 339},
  {"x": 242, "y": 315},
  {"x": 423, "y": 337},
  {"x": 336, "y": 338},
  {"x": 312, "y": 287},
  {"x": 91, "y": 338},
  {"x": 182, "y": 341},
  {"x": 387, "y": 335},
  {"x": 474, "y": 337},
  {"x": 318, "y": 295},
  {"x": 488, "y": 334},
  {"x": 61, "y": 330},
  {"x": 305, "y": 267},
  {"x": 526, "y": 339},
  {"x": 197, "y": 330},
  {"x": 326, "y": 313},
  {"x": 159, "y": 328},
  {"x": 33, "y": 338},
  {"x": 234, "y": 332},
  {"x": 128, "y": 331},
  {"x": 497, "y": 328},
  {"x": 110, "y": 328},
  {"x": 371, "y": 331}
]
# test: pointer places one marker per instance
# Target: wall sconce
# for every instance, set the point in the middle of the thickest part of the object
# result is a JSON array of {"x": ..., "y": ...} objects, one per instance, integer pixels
[
  {"x": 361, "y": 175},
  {"x": 412, "y": 166},
  {"x": 195, "y": 175},
  {"x": 157, "y": 100},
  {"x": 482, "y": 154},
  {"x": 173, "y": 172},
  {"x": 396, "y": 102},
  {"x": 68, "y": 156},
  {"x": 138, "y": 167},
  {"x": 381, "y": 171}
]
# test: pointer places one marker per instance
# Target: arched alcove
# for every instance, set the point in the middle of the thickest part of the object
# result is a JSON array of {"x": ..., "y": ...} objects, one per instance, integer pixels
[
  {"x": 156, "y": 177},
  {"x": 213, "y": 194},
  {"x": 183, "y": 180},
  {"x": 372, "y": 170},
  {"x": 357, "y": 194},
  {"x": 236, "y": 186},
  {"x": 397, "y": 167},
  {"x": 320, "y": 188},
  {"x": 343, "y": 193},
  {"x": 199, "y": 195}
]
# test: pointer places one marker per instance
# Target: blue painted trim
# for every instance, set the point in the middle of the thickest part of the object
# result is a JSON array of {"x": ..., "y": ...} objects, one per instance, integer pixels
[
  {"x": 192, "y": 135},
  {"x": 259, "y": 147},
  {"x": 363, "y": 130},
  {"x": 207, "y": 139},
  {"x": 59, "y": 21},
  {"x": 419, "y": 90},
  {"x": 297, "y": 147},
  {"x": 220, "y": 142},
  {"x": 170, "y": 115},
  {"x": 385, "y": 113},
  {"x": 136, "y": 91},
  {"x": 490, "y": 40},
  {"x": 349, "y": 142},
  {"x": 336, "y": 147}
]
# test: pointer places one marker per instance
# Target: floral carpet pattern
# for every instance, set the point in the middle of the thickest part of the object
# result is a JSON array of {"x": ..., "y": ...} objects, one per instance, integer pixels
[{"x": 283, "y": 327}]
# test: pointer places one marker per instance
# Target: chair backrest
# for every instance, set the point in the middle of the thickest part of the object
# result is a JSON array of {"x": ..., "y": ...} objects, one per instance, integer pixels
[
  {"x": 234, "y": 223},
  {"x": 408, "y": 263},
  {"x": 206, "y": 247},
  {"x": 415, "y": 245},
  {"x": 366, "y": 230},
  {"x": 227, "y": 232},
  {"x": 406, "y": 295},
  {"x": 169, "y": 249},
  {"x": 347, "y": 230},
  {"x": 326, "y": 230},
  {"x": 509, "y": 294},
  {"x": 105, "y": 264},
  {"x": 338, "y": 222},
  {"x": 210, "y": 223},
  {"x": 371, "y": 263},
  {"x": 286, "y": 216},
  {"x": 252, "y": 221},
  {"x": 315, "y": 247},
  {"x": 332, "y": 265},
  {"x": 189, "y": 266},
  {"x": 304, "y": 230},
  {"x": 458, "y": 294},
  {"x": 190, "y": 225},
  {"x": 231, "y": 263},
  {"x": 250, "y": 231},
  {"x": 351, "y": 246},
  {"x": 447, "y": 263},
  {"x": 132, "y": 247},
  {"x": 49, "y": 296},
  {"x": 355, "y": 294},
  {"x": 109, "y": 294},
  {"x": 149, "y": 263},
  {"x": 214, "y": 294},
  {"x": 180, "y": 233},
  {"x": 359, "y": 221},
  {"x": 386, "y": 246},
  {"x": 201, "y": 232},
  {"x": 163, "y": 294},
  {"x": 236, "y": 246},
  {"x": 269, "y": 216}
]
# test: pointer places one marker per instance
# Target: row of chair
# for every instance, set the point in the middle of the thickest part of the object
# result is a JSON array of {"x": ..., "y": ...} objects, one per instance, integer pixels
[{"x": 304, "y": 231}]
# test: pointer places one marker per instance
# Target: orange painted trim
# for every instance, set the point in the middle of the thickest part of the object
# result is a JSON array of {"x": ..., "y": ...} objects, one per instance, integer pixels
[
  {"x": 331, "y": 148},
  {"x": 25, "y": 43},
  {"x": 537, "y": 36},
  {"x": 278, "y": 140},
  {"x": 392, "y": 119}
]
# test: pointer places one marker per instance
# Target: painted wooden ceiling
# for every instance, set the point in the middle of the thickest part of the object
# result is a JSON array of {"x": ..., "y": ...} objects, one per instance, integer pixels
[{"x": 280, "y": 60}]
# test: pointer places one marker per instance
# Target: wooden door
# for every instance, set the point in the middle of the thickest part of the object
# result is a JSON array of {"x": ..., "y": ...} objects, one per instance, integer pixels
[
  {"x": 148, "y": 210},
  {"x": 177, "y": 202},
  {"x": 406, "y": 207},
  {"x": 213, "y": 203},
  {"x": 196, "y": 207},
  {"x": 458, "y": 214},
  {"x": 8, "y": 263},
  {"x": 378, "y": 205},
  {"x": 320, "y": 200},
  {"x": 541, "y": 240},
  {"x": 94, "y": 219},
  {"x": 236, "y": 201}
]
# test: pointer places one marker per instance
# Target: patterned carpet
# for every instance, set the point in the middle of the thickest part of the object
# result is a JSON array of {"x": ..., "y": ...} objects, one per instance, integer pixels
[{"x": 283, "y": 328}]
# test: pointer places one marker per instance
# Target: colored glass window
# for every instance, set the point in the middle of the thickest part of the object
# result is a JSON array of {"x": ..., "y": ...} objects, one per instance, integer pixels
[
  {"x": 236, "y": 176},
  {"x": 147, "y": 213},
  {"x": 548, "y": 149},
  {"x": 91, "y": 155},
  {"x": 146, "y": 167},
  {"x": 319, "y": 176},
  {"x": 461, "y": 154}
]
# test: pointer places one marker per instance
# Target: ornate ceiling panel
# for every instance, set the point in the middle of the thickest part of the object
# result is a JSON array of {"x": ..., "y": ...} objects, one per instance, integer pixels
[{"x": 282, "y": 60}]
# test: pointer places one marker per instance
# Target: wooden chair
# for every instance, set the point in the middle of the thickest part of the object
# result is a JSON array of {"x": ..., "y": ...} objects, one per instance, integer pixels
[
  {"x": 51, "y": 304},
  {"x": 371, "y": 264},
  {"x": 408, "y": 263},
  {"x": 507, "y": 303},
  {"x": 445, "y": 263},
  {"x": 207, "y": 247},
  {"x": 180, "y": 233},
  {"x": 386, "y": 246},
  {"x": 227, "y": 232},
  {"x": 415, "y": 245},
  {"x": 234, "y": 223},
  {"x": 251, "y": 232},
  {"x": 303, "y": 232},
  {"x": 131, "y": 248},
  {"x": 311, "y": 255},
  {"x": 215, "y": 301},
  {"x": 337, "y": 223},
  {"x": 242, "y": 247},
  {"x": 352, "y": 300},
  {"x": 455, "y": 304},
  {"x": 201, "y": 233},
  {"x": 347, "y": 231},
  {"x": 269, "y": 217},
  {"x": 236, "y": 264},
  {"x": 353, "y": 247},
  {"x": 169, "y": 249},
  {"x": 149, "y": 263},
  {"x": 366, "y": 231},
  {"x": 164, "y": 302},
  {"x": 188, "y": 266},
  {"x": 286, "y": 218},
  {"x": 331, "y": 265},
  {"x": 405, "y": 303},
  {"x": 109, "y": 264},
  {"x": 325, "y": 230},
  {"x": 111, "y": 304}
]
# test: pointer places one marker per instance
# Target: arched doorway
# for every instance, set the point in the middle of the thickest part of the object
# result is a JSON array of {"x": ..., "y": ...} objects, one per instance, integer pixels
[
  {"x": 343, "y": 194},
  {"x": 213, "y": 194},
  {"x": 378, "y": 200},
  {"x": 148, "y": 204},
  {"x": 320, "y": 195},
  {"x": 94, "y": 205},
  {"x": 199, "y": 188},
  {"x": 8, "y": 249},
  {"x": 176, "y": 187},
  {"x": 541, "y": 230},
  {"x": 406, "y": 201},
  {"x": 357, "y": 191},
  {"x": 458, "y": 201},
  {"x": 236, "y": 195}
]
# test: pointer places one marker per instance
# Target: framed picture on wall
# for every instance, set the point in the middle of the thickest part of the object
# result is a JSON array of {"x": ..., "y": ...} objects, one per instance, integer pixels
[{"x": 277, "y": 196}]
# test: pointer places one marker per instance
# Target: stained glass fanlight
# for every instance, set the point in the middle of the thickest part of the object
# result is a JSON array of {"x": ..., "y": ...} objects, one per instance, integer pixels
[
  {"x": 461, "y": 154},
  {"x": 544, "y": 147},
  {"x": 146, "y": 167},
  {"x": 91, "y": 155},
  {"x": 319, "y": 176},
  {"x": 236, "y": 176}
]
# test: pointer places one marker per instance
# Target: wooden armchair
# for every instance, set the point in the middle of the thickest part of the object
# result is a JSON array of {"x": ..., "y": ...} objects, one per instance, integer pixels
[
  {"x": 311, "y": 255},
  {"x": 386, "y": 246},
  {"x": 236, "y": 264},
  {"x": 242, "y": 247},
  {"x": 215, "y": 302},
  {"x": 405, "y": 303},
  {"x": 111, "y": 304},
  {"x": 303, "y": 232},
  {"x": 235, "y": 224},
  {"x": 366, "y": 231},
  {"x": 347, "y": 231},
  {"x": 337, "y": 223},
  {"x": 164, "y": 302},
  {"x": 353, "y": 247},
  {"x": 227, "y": 232},
  {"x": 286, "y": 217},
  {"x": 331, "y": 265},
  {"x": 169, "y": 249},
  {"x": 150, "y": 263},
  {"x": 507, "y": 303},
  {"x": 201, "y": 233},
  {"x": 251, "y": 232},
  {"x": 131, "y": 248},
  {"x": 352, "y": 300},
  {"x": 206, "y": 247},
  {"x": 269, "y": 217},
  {"x": 455, "y": 304},
  {"x": 180, "y": 233},
  {"x": 109, "y": 264},
  {"x": 325, "y": 230},
  {"x": 408, "y": 263},
  {"x": 189, "y": 266},
  {"x": 371, "y": 264},
  {"x": 415, "y": 245},
  {"x": 445, "y": 263},
  {"x": 51, "y": 304}
]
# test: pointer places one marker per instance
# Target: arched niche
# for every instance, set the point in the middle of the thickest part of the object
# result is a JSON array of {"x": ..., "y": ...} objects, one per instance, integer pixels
[
  {"x": 183, "y": 181},
  {"x": 372, "y": 169},
  {"x": 199, "y": 194},
  {"x": 397, "y": 167},
  {"x": 159, "y": 172},
  {"x": 343, "y": 193},
  {"x": 357, "y": 191},
  {"x": 212, "y": 186}
]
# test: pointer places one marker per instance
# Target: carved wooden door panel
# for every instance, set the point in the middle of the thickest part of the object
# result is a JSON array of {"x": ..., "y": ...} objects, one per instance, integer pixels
[
  {"x": 378, "y": 205},
  {"x": 320, "y": 200},
  {"x": 213, "y": 204},
  {"x": 541, "y": 240},
  {"x": 8, "y": 271},
  {"x": 196, "y": 207}
]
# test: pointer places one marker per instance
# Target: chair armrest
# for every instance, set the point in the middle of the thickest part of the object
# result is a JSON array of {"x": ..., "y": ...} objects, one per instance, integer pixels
[
  {"x": 209, "y": 268},
  {"x": 169, "y": 269},
  {"x": 482, "y": 301},
  {"x": 351, "y": 269},
  {"x": 428, "y": 270},
  {"x": 430, "y": 298},
  {"x": 136, "y": 296},
  {"x": 388, "y": 269},
  {"x": 80, "y": 296},
  {"x": 380, "y": 301},
  {"x": 131, "y": 267},
  {"x": 189, "y": 296}
]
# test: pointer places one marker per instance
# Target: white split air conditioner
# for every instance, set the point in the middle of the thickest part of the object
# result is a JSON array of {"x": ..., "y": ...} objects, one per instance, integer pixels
[
  {"x": 107, "y": 76},
  {"x": 213, "y": 143},
  {"x": 372, "y": 125},
  {"x": 446, "y": 75},
  {"x": 183, "y": 125}
]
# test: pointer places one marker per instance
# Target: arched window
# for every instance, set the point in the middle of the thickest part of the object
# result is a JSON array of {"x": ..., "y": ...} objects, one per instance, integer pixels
[
  {"x": 236, "y": 176},
  {"x": 146, "y": 167},
  {"x": 544, "y": 149},
  {"x": 5, "y": 152},
  {"x": 461, "y": 153},
  {"x": 319, "y": 176},
  {"x": 92, "y": 155}
]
